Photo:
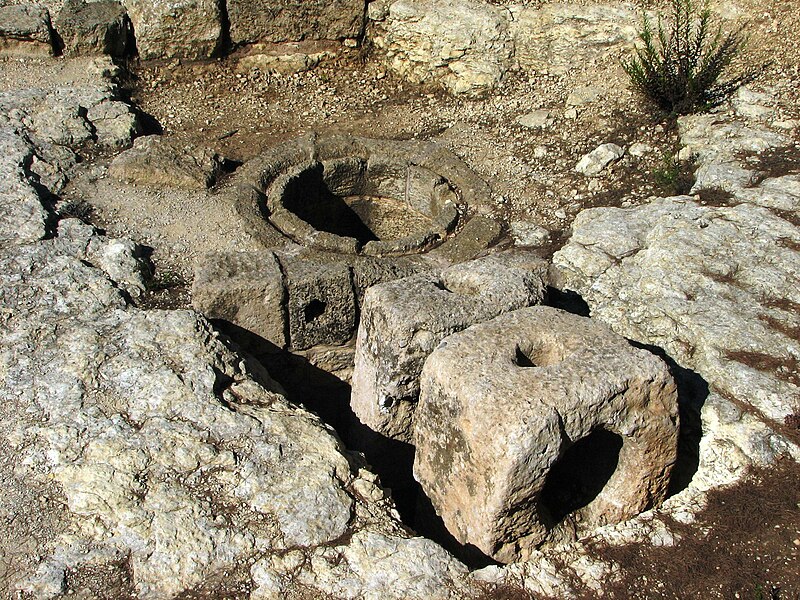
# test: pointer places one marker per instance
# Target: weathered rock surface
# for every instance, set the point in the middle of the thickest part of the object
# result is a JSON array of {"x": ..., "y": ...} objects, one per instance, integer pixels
[
  {"x": 463, "y": 45},
  {"x": 717, "y": 288},
  {"x": 22, "y": 216},
  {"x": 283, "y": 21},
  {"x": 372, "y": 566},
  {"x": 734, "y": 156},
  {"x": 518, "y": 422},
  {"x": 94, "y": 28},
  {"x": 25, "y": 30},
  {"x": 157, "y": 161},
  {"x": 69, "y": 117},
  {"x": 175, "y": 28},
  {"x": 403, "y": 321},
  {"x": 549, "y": 38},
  {"x": 140, "y": 456}
]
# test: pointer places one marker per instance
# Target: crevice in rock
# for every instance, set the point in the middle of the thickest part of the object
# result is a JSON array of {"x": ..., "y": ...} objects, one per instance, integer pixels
[
  {"x": 224, "y": 43},
  {"x": 567, "y": 300}
]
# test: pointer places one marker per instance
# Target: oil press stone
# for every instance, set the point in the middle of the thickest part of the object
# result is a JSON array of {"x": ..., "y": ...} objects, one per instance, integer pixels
[
  {"x": 245, "y": 289},
  {"x": 321, "y": 304},
  {"x": 403, "y": 321},
  {"x": 352, "y": 195},
  {"x": 540, "y": 423}
]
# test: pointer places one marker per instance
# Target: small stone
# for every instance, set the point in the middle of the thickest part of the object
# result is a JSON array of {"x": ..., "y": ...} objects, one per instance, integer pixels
[
  {"x": 529, "y": 234},
  {"x": 639, "y": 149},
  {"x": 571, "y": 114},
  {"x": 593, "y": 163},
  {"x": 540, "y": 151},
  {"x": 583, "y": 96},
  {"x": 537, "y": 119}
]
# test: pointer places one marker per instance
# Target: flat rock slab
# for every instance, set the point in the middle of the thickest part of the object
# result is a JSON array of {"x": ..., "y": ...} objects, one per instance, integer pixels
[
  {"x": 157, "y": 161},
  {"x": 286, "y": 58},
  {"x": 403, "y": 321},
  {"x": 540, "y": 423},
  {"x": 25, "y": 30},
  {"x": 94, "y": 28}
]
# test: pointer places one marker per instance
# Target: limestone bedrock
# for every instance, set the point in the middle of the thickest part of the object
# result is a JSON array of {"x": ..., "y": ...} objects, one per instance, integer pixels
[{"x": 540, "y": 382}]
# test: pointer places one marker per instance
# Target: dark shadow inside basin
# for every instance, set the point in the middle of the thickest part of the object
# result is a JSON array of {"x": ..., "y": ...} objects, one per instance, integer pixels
[{"x": 308, "y": 196}]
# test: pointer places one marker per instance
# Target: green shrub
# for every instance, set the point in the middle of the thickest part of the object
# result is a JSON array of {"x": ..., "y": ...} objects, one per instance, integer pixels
[{"x": 679, "y": 68}]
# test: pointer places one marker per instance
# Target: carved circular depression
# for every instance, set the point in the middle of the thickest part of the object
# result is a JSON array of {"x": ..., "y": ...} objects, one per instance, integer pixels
[
  {"x": 365, "y": 205},
  {"x": 356, "y": 195}
]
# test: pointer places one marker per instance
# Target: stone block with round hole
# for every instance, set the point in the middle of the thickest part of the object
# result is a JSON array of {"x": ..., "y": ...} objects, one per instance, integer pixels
[
  {"x": 539, "y": 425},
  {"x": 403, "y": 321},
  {"x": 320, "y": 302}
]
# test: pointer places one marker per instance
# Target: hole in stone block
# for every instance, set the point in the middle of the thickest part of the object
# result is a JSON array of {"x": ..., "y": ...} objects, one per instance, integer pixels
[
  {"x": 579, "y": 475},
  {"x": 313, "y": 309},
  {"x": 365, "y": 217},
  {"x": 523, "y": 360},
  {"x": 538, "y": 355}
]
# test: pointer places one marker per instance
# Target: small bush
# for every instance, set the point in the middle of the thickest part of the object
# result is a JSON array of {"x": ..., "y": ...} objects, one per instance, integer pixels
[{"x": 679, "y": 69}]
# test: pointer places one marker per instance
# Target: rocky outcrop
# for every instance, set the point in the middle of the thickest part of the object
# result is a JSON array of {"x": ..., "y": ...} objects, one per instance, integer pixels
[
  {"x": 462, "y": 45},
  {"x": 716, "y": 287},
  {"x": 714, "y": 284},
  {"x": 25, "y": 30},
  {"x": 539, "y": 425},
  {"x": 157, "y": 161},
  {"x": 151, "y": 460},
  {"x": 175, "y": 28},
  {"x": 549, "y": 38},
  {"x": 403, "y": 321},
  {"x": 282, "y": 21},
  {"x": 94, "y": 28}
]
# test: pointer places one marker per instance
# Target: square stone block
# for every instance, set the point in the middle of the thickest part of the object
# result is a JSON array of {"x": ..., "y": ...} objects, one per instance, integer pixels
[{"x": 539, "y": 425}]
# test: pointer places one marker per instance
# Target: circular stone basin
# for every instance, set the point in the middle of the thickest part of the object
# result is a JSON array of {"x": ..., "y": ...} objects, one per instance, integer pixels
[
  {"x": 362, "y": 205},
  {"x": 356, "y": 195}
]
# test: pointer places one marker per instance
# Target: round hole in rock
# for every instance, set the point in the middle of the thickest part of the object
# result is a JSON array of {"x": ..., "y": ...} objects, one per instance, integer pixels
[
  {"x": 539, "y": 354},
  {"x": 579, "y": 475},
  {"x": 313, "y": 309},
  {"x": 346, "y": 203}
]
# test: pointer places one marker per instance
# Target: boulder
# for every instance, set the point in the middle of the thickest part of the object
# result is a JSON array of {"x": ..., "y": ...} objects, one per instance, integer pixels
[
  {"x": 462, "y": 45},
  {"x": 94, "y": 28},
  {"x": 158, "y": 161},
  {"x": 175, "y": 28},
  {"x": 25, "y": 30},
  {"x": 245, "y": 289},
  {"x": 403, "y": 321},
  {"x": 539, "y": 424},
  {"x": 283, "y": 21}
]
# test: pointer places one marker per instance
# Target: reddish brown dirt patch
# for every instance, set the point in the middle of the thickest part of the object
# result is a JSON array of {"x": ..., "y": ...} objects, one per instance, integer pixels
[{"x": 746, "y": 544}]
